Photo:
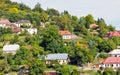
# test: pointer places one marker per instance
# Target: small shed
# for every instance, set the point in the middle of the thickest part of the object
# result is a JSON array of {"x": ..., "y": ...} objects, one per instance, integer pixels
[{"x": 11, "y": 48}]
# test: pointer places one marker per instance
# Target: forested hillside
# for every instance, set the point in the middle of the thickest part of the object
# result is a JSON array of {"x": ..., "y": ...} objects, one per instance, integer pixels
[{"x": 91, "y": 38}]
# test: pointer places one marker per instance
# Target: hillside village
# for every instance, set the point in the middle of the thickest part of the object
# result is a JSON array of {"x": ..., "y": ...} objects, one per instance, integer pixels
[{"x": 47, "y": 42}]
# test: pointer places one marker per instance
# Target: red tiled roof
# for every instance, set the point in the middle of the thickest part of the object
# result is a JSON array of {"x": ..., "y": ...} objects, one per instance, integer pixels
[
  {"x": 4, "y": 22},
  {"x": 112, "y": 60},
  {"x": 65, "y": 32},
  {"x": 114, "y": 33}
]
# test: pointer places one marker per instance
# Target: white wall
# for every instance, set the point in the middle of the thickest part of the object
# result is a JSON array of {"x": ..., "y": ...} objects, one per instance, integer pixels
[
  {"x": 66, "y": 36},
  {"x": 2, "y": 25},
  {"x": 109, "y": 65},
  {"x": 32, "y": 30}
]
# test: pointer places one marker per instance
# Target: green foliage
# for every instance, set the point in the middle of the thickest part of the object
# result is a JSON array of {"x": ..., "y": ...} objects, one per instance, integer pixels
[
  {"x": 107, "y": 45},
  {"x": 103, "y": 55},
  {"x": 109, "y": 71},
  {"x": 51, "y": 38},
  {"x": 38, "y": 8},
  {"x": 14, "y": 67},
  {"x": 64, "y": 70},
  {"x": 4, "y": 31},
  {"x": 52, "y": 12},
  {"x": 37, "y": 67},
  {"x": 118, "y": 71}
]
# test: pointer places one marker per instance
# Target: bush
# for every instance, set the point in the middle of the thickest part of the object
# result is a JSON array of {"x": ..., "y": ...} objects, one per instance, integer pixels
[
  {"x": 14, "y": 67},
  {"x": 103, "y": 55}
]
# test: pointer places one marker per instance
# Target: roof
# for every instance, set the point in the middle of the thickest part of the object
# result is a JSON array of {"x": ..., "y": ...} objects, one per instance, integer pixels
[
  {"x": 4, "y": 22},
  {"x": 114, "y": 33},
  {"x": 56, "y": 56},
  {"x": 112, "y": 60},
  {"x": 65, "y": 32},
  {"x": 16, "y": 30},
  {"x": 93, "y": 25},
  {"x": 13, "y": 47},
  {"x": 23, "y": 21},
  {"x": 115, "y": 51}
]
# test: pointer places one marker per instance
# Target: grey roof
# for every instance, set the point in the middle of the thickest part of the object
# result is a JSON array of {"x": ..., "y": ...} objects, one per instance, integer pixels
[
  {"x": 23, "y": 21},
  {"x": 115, "y": 51},
  {"x": 12, "y": 47},
  {"x": 56, "y": 56}
]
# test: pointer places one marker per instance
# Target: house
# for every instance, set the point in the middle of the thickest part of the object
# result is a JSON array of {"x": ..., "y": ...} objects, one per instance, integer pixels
[
  {"x": 113, "y": 33},
  {"x": 11, "y": 48},
  {"x": 65, "y": 34},
  {"x": 113, "y": 62},
  {"x": 115, "y": 53},
  {"x": 42, "y": 25},
  {"x": 22, "y": 22},
  {"x": 32, "y": 30},
  {"x": 93, "y": 26},
  {"x": 16, "y": 30},
  {"x": 61, "y": 58},
  {"x": 4, "y": 23}
]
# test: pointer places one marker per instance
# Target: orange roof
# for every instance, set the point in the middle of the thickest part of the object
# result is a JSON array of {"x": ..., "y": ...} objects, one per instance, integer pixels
[
  {"x": 65, "y": 32},
  {"x": 112, "y": 60},
  {"x": 93, "y": 25}
]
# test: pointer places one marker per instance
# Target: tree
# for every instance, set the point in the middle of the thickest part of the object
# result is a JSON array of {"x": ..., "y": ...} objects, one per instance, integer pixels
[
  {"x": 63, "y": 70},
  {"x": 37, "y": 67},
  {"x": 56, "y": 46},
  {"x": 50, "y": 34},
  {"x": 89, "y": 20},
  {"x": 111, "y": 28},
  {"x": 52, "y": 12},
  {"x": 38, "y": 8},
  {"x": 107, "y": 45},
  {"x": 79, "y": 55}
]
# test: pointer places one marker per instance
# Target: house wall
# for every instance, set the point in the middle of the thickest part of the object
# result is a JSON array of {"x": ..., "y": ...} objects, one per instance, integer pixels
[
  {"x": 2, "y": 25},
  {"x": 114, "y": 55},
  {"x": 32, "y": 31},
  {"x": 66, "y": 36},
  {"x": 109, "y": 65},
  {"x": 18, "y": 25},
  {"x": 62, "y": 61},
  {"x": 59, "y": 61},
  {"x": 12, "y": 52}
]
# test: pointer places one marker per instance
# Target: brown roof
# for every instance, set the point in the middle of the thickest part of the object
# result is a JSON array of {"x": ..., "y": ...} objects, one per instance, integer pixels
[
  {"x": 16, "y": 30},
  {"x": 112, "y": 60},
  {"x": 65, "y": 32}
]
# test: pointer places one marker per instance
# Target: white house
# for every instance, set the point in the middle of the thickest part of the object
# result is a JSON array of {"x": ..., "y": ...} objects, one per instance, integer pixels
[
  {"x": 65, "y": 34},
  {"x": 21, "y": 22},
  {"x": 32, "y": 30},
  {"x": 61, "y": 58},
  {"x": 113, "y": 62},
  {"x": 4, "y": 23},
  {"x": 11, "y": 48}
]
